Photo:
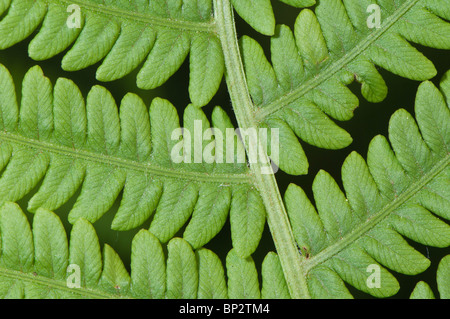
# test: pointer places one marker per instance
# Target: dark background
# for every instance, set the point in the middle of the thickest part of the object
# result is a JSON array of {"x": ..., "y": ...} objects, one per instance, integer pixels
[{"x": 369, "y": 120}]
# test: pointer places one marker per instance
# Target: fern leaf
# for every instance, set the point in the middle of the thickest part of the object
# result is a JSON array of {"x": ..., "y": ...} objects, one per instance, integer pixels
[
  {"x": 351, "y": 236},
  {"x": 121, "y": 36},
  {"x": 259, "y": 14},
  {"x": 274, "y": 284},
  {"x": 40, "y": 262},
  {"x": 148, "y": 277},
  {"x": 51, "y": 250},
  {"x": 443, "y": 278},
  {"x": 299, "y": 3},
  {"x": 63, "y": 144},
  {"x": 55, "y": 145},
  {"x": 212, "y": 209},
  {"x": 38, "y": 267},
  {"x": 182, "y": 273},
  {"x": 211, "y": 276},
  {"x": 115, "y": 277},
  {"x": 85, "y": 252},
  {"x": 247, "y": 218},
  {"x": 422, "y": 291},
  {"x": 242, "y": 277},
  {"x": 305, "y": 85}
]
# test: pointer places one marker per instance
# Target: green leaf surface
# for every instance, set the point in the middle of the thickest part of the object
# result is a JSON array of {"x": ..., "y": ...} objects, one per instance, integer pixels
[
  {"x": 69, "y": 148},
  {"x": 148, "y": 275},
  {"x": 443, "y": 277},
  {"x": 274, "y": 285},
  {"x": 247, "y": 219},
  {"x": 211, "y": 276},
  {"x": 171, "y": 177},
  {"x": 242, "y": 277},
  {"x": 122, "y": 37},
  {"x": 182, "y": 273},
  {"x": 357, "y": 236},
  {"x": 258, "y": 14},
  {"x": 422, "y": 291},
  {"x": 42, "y": 262},
  {"x": 305, "y": 84}
]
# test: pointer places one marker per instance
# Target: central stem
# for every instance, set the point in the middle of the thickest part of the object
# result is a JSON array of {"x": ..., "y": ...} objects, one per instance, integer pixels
[{"x": 279, "y": 225}]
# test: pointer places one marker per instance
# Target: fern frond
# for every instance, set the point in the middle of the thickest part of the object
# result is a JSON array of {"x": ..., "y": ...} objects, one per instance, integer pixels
[
  {"x": 39, "y": 262},
  {"x": 423, "y": 290},
  {"x": 259, "y": 14},
  {"x": 34, "y": 262},
  {"x": 399, "y": 192},
  {"x": 443, "y": 277},
  {"x": 61, "y": 143},
  {"x": 123, "y": 35},
  {"x": 305, "y": 85}
]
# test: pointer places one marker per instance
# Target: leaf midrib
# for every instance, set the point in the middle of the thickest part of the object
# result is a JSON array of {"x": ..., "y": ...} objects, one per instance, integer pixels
[
  {"x": 291, "y": 96},
  {"x": 266, "y": 183},
  {"x": 108, "y": 160},
  {"x": 376, "y": 218},
  {"x": 51, "y": 283},
  {"x": 144, "y": 18}
]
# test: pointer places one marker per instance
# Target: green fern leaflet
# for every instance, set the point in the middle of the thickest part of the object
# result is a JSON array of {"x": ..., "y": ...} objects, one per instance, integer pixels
[{"x": 72, "y": 159}]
